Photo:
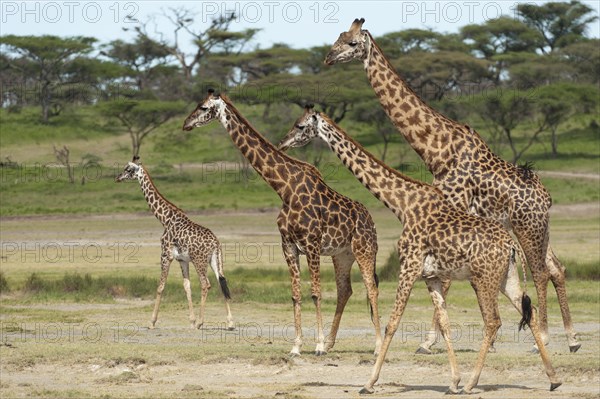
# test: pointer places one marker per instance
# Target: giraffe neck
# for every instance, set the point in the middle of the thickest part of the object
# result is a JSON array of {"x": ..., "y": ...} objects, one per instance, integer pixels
[
  {"x": 275, "y": 167},
  {"x": 427, "y": 131},
  {"x": 391, "y": 187},
  {"x": 164, "y": 210}
]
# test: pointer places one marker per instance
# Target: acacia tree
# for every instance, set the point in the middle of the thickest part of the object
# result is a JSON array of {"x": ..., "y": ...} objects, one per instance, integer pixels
[
  {"x": 216, "y": 37},
  {"x": 499, "y": 37},
  {"x": 142, "y": 59},
  {"x": 47, "y": 57},
  {"x": 557, "y": 103},
  {"x": 141, "y": 118},
  {"x": 558, "y": 23},
  {"x": 502, "y": 113}
]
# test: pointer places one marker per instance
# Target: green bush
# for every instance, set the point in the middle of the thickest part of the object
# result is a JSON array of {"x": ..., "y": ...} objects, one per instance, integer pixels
[
  {"x": 4, "y": 287},
  {"x": 390, "y": 269}
]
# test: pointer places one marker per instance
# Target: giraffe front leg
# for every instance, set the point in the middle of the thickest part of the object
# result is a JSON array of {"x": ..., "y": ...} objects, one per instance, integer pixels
[
  {"x": 165, "y": 264},
  {"x": 313, "y": 259},
  {"x": 409, "y": 271}
]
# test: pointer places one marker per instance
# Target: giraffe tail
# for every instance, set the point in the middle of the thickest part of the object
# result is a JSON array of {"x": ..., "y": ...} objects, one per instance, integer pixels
[
  {"x": 519, "y": 251},
  {"x": 216, "y": 263},
  {"x": 526, "y": 308},
  {"x": 376, "y": 279}
]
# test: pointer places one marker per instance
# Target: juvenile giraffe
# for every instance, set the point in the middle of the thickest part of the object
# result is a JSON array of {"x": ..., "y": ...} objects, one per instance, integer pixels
[
  {"x": 439, "y": 242},
  {"x": 184, "y": 241},
  {"x": 469, "y": 174},
  {"x": 314, "y": 219}
]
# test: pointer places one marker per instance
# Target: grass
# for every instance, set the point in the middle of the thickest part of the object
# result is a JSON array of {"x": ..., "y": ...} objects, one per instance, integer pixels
[
  {"x": 188, "y": 167},
  {"x": 211, "y": 186},
  {"x": 580, "y": 270}
]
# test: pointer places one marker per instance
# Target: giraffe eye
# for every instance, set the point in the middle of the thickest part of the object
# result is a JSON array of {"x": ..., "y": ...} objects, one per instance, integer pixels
[
  {"x": 353, "y": 43},
  {"x": 301, "y": 127},
  {"x": 204, "y": 108}
]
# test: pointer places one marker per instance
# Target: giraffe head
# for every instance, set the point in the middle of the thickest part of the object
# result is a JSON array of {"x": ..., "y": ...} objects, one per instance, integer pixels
[
  {"x": 206, "y": 111},
  {"x": 305, "y": 129},
  {"x": 351, "y": 45},
  {"x": 132, "y": 170}
]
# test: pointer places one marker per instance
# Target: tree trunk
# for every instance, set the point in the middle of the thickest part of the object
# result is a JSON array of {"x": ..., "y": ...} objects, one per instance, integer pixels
[
  {"x": 45, "y": 102},
  {"x": 554, "y": 142},
  {"x": 135, "y": 144},
  {"x": 512, "y": 145}
]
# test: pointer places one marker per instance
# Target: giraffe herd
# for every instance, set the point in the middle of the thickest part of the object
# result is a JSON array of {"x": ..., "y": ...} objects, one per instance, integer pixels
[{"x": 456, "y": 228}]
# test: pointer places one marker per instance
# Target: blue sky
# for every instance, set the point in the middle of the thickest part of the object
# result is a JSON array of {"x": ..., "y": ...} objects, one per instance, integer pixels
[{"x": 297, "y": 23}]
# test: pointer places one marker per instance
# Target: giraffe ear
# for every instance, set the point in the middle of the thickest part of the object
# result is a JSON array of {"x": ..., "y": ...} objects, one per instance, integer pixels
[{"x": 356, "y": 25}]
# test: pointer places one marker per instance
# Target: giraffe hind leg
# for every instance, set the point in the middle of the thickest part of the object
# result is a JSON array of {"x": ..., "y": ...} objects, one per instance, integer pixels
[
  {"x": 511, "y": 288},
  {"x": 342, "y": 265},
  {"x": 487, "y": 295},
  {"x": 433, "y": 334},
  {"x": 216, "y": 263},
  {"x": 557, "y": 276},
  {"x": 435, "y": 287}
]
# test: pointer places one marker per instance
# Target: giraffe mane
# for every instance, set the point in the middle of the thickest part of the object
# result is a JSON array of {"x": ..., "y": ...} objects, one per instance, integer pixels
[
  {"x": 151, "y": 182},
  {"x": 311, "y": 168},
  {"x": 526, "y": 170},
  {"x": 379, "y": 162},
  {"x": 408, "y": 87}
]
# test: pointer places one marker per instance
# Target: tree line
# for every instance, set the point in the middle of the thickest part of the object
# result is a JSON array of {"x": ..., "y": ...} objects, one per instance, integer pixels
[{"x": 537, "y": 69}]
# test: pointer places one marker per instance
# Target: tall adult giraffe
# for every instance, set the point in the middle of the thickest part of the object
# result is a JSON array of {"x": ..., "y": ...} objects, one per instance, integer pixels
[
  {"x": 314, "y": 219},
  {"x": 439, "y": 242},
  {"x": 465, "y": 169}
]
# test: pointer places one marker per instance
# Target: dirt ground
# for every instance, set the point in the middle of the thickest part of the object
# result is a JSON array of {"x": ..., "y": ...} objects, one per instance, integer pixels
[{"x": 252, "y": 361}]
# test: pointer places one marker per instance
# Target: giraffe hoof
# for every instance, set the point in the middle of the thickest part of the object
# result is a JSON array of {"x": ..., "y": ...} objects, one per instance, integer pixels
[
  {"x": 423, "y": 351},
  {"x": 555, "y": 385},
  {"x": 230, "y": 328},
  {"x": 294, "y": 354},
  {"x": 454, "y": 391},
  {"x": 320, "y": 353},
  {"x": 492, "y": 350},
  {"x": 574, "y": 348},
  {"x": 534, "y": 350},
  {"x": 366, "y": 391}
]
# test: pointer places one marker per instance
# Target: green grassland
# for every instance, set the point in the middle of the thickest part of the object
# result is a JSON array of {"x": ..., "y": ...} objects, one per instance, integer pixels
[{"x": 201, "y": 169}]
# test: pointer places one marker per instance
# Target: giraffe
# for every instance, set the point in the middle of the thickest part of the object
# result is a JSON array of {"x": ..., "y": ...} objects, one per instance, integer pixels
[
  {"x": 439, "y": 242},
  {"x": 184, "y": 241},
  {"x": 314, "y": 220},
  {"x": 469, "y": 174}
]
